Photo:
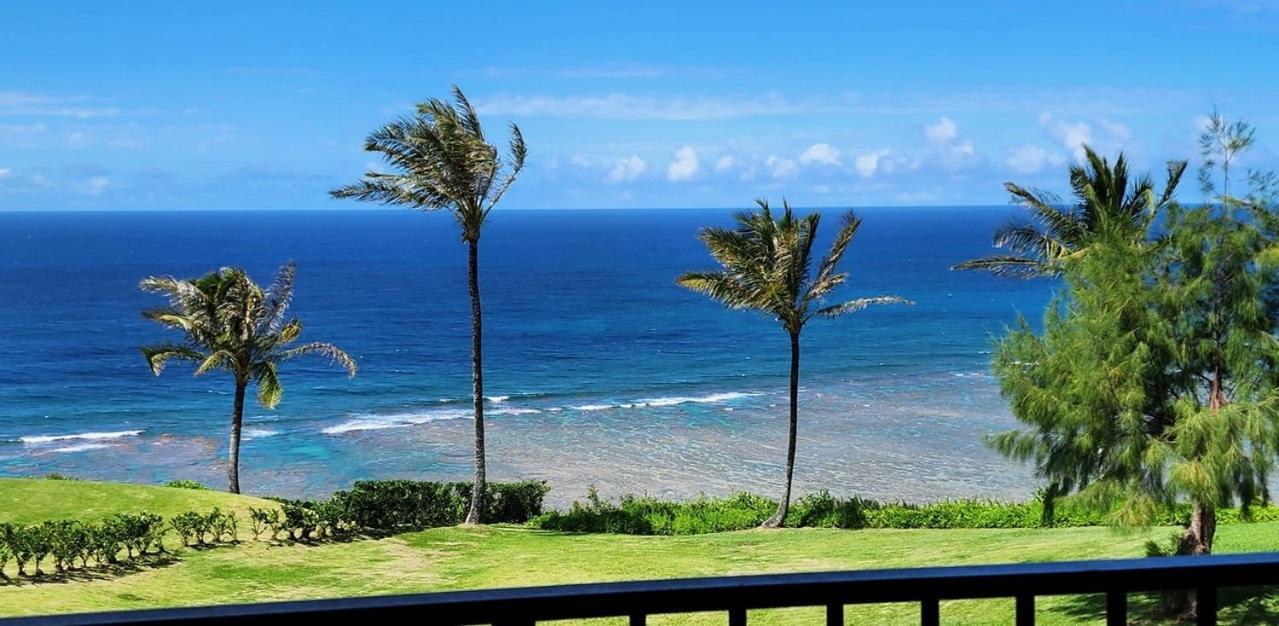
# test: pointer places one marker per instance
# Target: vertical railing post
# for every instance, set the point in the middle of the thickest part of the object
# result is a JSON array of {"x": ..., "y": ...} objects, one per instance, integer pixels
[
  {"x": 737, "y": 617},
  {"x": 1025, "y": 610},
  {"x": 1206, "y": 606},
  {"x": 929, "y": 612},
  {"x": 834, "y": 614},
  {"x": 1116, "y": 608},
  {"x": 638, "y": 619}
]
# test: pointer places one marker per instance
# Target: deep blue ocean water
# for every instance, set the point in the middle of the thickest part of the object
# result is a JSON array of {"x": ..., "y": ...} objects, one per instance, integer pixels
[{"x": 599, "y": 368}]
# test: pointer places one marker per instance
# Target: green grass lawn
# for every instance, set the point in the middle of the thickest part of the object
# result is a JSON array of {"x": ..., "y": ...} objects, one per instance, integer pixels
[{"x": 457, "y": 558}]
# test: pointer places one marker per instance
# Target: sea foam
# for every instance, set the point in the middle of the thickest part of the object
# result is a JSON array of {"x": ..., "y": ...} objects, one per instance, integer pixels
[
  {"x": 81, "y": 447},
  {"x": 90, "y": 436},
  {"x": 393, "y": 420},
  {"x": 668, "y": 401}
]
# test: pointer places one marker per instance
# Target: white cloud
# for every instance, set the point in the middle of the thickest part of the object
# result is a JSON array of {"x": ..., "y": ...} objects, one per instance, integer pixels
[
  {"x": 578, "y": 160},
  {"x": 1106, "y": 136},
  {"x": 20, "y": 130},
  {"x": 5, "y": 172},
  {"x": 35, "y": 104},
  {"x": 97, "y": 185},
  {"x": 1117, "y": 131},
  {"x": 685, "y": 165},
  {"x": 627, "y": 107},
  {"x": 1072, "y": 136},
  {"x": 781, "y": 168},
  {"x": 944, "y": 131},
  {"x": 867, "y": 164},
  {"x": 958, "y": 155},
  {"x": 1030, "y": 158},
  {"x": 821, "y": 153},
  {"x": 725, "y": 163},
  {"x": 627, "y": 169}
]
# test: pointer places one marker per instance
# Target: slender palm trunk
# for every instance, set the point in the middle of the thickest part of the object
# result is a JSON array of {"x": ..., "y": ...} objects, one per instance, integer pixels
[
  {"x": 477, "y": 385},
  {"x": 237, "y": 419},
  {"x": 783, "y": 505}
]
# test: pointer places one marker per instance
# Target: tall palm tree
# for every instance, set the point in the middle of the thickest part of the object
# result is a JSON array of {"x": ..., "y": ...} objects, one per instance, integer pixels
[
  {"x": 1056, "y": 232},
  {"x": 767, "y": 267},
  {"x": 440, "y": 160},
  {"x": 233, "y": 324}
]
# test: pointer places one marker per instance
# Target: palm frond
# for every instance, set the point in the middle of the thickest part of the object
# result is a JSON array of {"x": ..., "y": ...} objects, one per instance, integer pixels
[
  {"x": 721, "y": 287},
  {"x": 270, "y": 391},
  {"x": 334, "y": 354},
  {"x": 217, "y": 359},
  {"x": 1011, "y": 266},
  {"x": 159, "y": 355},
  {"x": 278, "y": 297},
  {"x": 860, "y": 303}
]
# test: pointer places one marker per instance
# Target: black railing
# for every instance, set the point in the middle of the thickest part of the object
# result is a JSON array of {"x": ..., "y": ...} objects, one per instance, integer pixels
[{"x": 735, "y": 595}]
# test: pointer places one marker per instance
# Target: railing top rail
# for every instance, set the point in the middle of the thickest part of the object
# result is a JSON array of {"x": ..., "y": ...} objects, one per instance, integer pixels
[{"x": 722, "y": 593}]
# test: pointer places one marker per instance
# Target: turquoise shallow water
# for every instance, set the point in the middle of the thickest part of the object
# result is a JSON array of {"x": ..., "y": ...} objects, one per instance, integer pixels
[{"x": 600, "y": 370}]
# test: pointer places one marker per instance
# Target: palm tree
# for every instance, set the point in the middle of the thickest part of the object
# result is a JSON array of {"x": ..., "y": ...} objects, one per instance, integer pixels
[
  {"x": 232, "y": 324},
  {"x": 767, "y": 267},
  {"x": 440, "y": 160},
  {"x": 1057, "y": 232}
]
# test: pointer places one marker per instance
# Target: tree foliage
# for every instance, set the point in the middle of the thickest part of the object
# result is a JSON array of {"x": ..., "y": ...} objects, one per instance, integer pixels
[
  {"x": 1154, "y": 379},
  {"x": 230, "y": 323},
  {"x": 767, "y": 265},
  {"x": 1105, "y": 199}
]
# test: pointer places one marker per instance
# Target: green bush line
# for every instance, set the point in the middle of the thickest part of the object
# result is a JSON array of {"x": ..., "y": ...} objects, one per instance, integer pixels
[
  {"x": 72, "y": 544},
  {"x": 391, "y": 506},
  {"x": 186, "y": 484},
  {"x": 642, "y": 515}
]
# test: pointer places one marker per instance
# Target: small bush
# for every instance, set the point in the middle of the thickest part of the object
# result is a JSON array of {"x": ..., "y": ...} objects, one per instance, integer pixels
[
  {"x": 263, "y": 520},
  {"x": 189, "y": 526},
  {"x": 186, "y": 484},
  {"x": 403, "y": 505},
  {"x": 57, "y": 476}
]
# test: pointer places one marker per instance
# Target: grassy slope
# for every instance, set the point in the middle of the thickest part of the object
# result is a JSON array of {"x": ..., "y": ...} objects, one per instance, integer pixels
[
  {"x": 28, "y": 500},
  {"x": 454, "y": 558}
]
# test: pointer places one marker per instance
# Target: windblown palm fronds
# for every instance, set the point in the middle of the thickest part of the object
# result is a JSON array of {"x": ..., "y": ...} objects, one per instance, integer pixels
[
  {"x": 439, "y": 159},
  {"x": 1104, "y": 199},
  {"x": 230, "y": 323},
  {"x": 768, "y": 265}
]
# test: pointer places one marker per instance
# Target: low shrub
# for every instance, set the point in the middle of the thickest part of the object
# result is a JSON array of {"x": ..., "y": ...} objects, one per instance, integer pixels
[
  {"x": 186, "y": 484},
  {"x": 189, "y": 526},
  {"x": 642, "y": 515},
  {"x": 263, "y": 520},
  {"x": 403, "y": 505},
  {"x": 57, "y": 476}
]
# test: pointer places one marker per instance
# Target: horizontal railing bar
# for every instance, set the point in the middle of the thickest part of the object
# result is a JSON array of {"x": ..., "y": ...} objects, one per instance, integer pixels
[{"x": 731, "y": 593}]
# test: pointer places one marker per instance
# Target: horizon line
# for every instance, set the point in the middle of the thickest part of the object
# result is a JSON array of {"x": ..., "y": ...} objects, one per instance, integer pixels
[{"x": 390, "y": 209}]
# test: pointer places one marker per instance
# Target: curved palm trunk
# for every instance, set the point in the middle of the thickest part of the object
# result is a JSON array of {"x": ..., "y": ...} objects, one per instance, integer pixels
[
  {"x": 477, "y": 385},
  {"x": 783, "y": 505},
  {"x": 237, "y": 419}
]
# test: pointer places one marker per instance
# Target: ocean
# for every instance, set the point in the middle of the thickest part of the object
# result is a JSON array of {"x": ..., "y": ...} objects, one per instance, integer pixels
[{"x": 600, "y": 370}]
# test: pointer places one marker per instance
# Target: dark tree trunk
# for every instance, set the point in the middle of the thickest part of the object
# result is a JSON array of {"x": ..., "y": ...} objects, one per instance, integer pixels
[
  {"x": 1196, "y": 540},
  {"x": 237, "y": 419},
  {"x": 783, "y": 505},
  {"x": 1198, "y": 536},
  {"x": 477, "y": 385}
]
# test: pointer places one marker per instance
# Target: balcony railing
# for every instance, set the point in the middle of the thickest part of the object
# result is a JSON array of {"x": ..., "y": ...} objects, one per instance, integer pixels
[{"x": 735, "y": 595}]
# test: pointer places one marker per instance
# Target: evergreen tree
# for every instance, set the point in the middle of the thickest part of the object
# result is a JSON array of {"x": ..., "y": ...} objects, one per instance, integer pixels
[{"x": 1154, "y": 380}]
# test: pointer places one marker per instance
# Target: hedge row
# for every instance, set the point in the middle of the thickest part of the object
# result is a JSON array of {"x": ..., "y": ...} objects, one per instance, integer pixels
[
  {"x": 641, "y": 515},
  {"x": 391, "y": 506},
  {"x": 71, "y": 544}
]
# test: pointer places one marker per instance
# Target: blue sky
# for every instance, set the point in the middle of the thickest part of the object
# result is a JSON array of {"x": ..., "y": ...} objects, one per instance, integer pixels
[{"x": 228, "y": 105}]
